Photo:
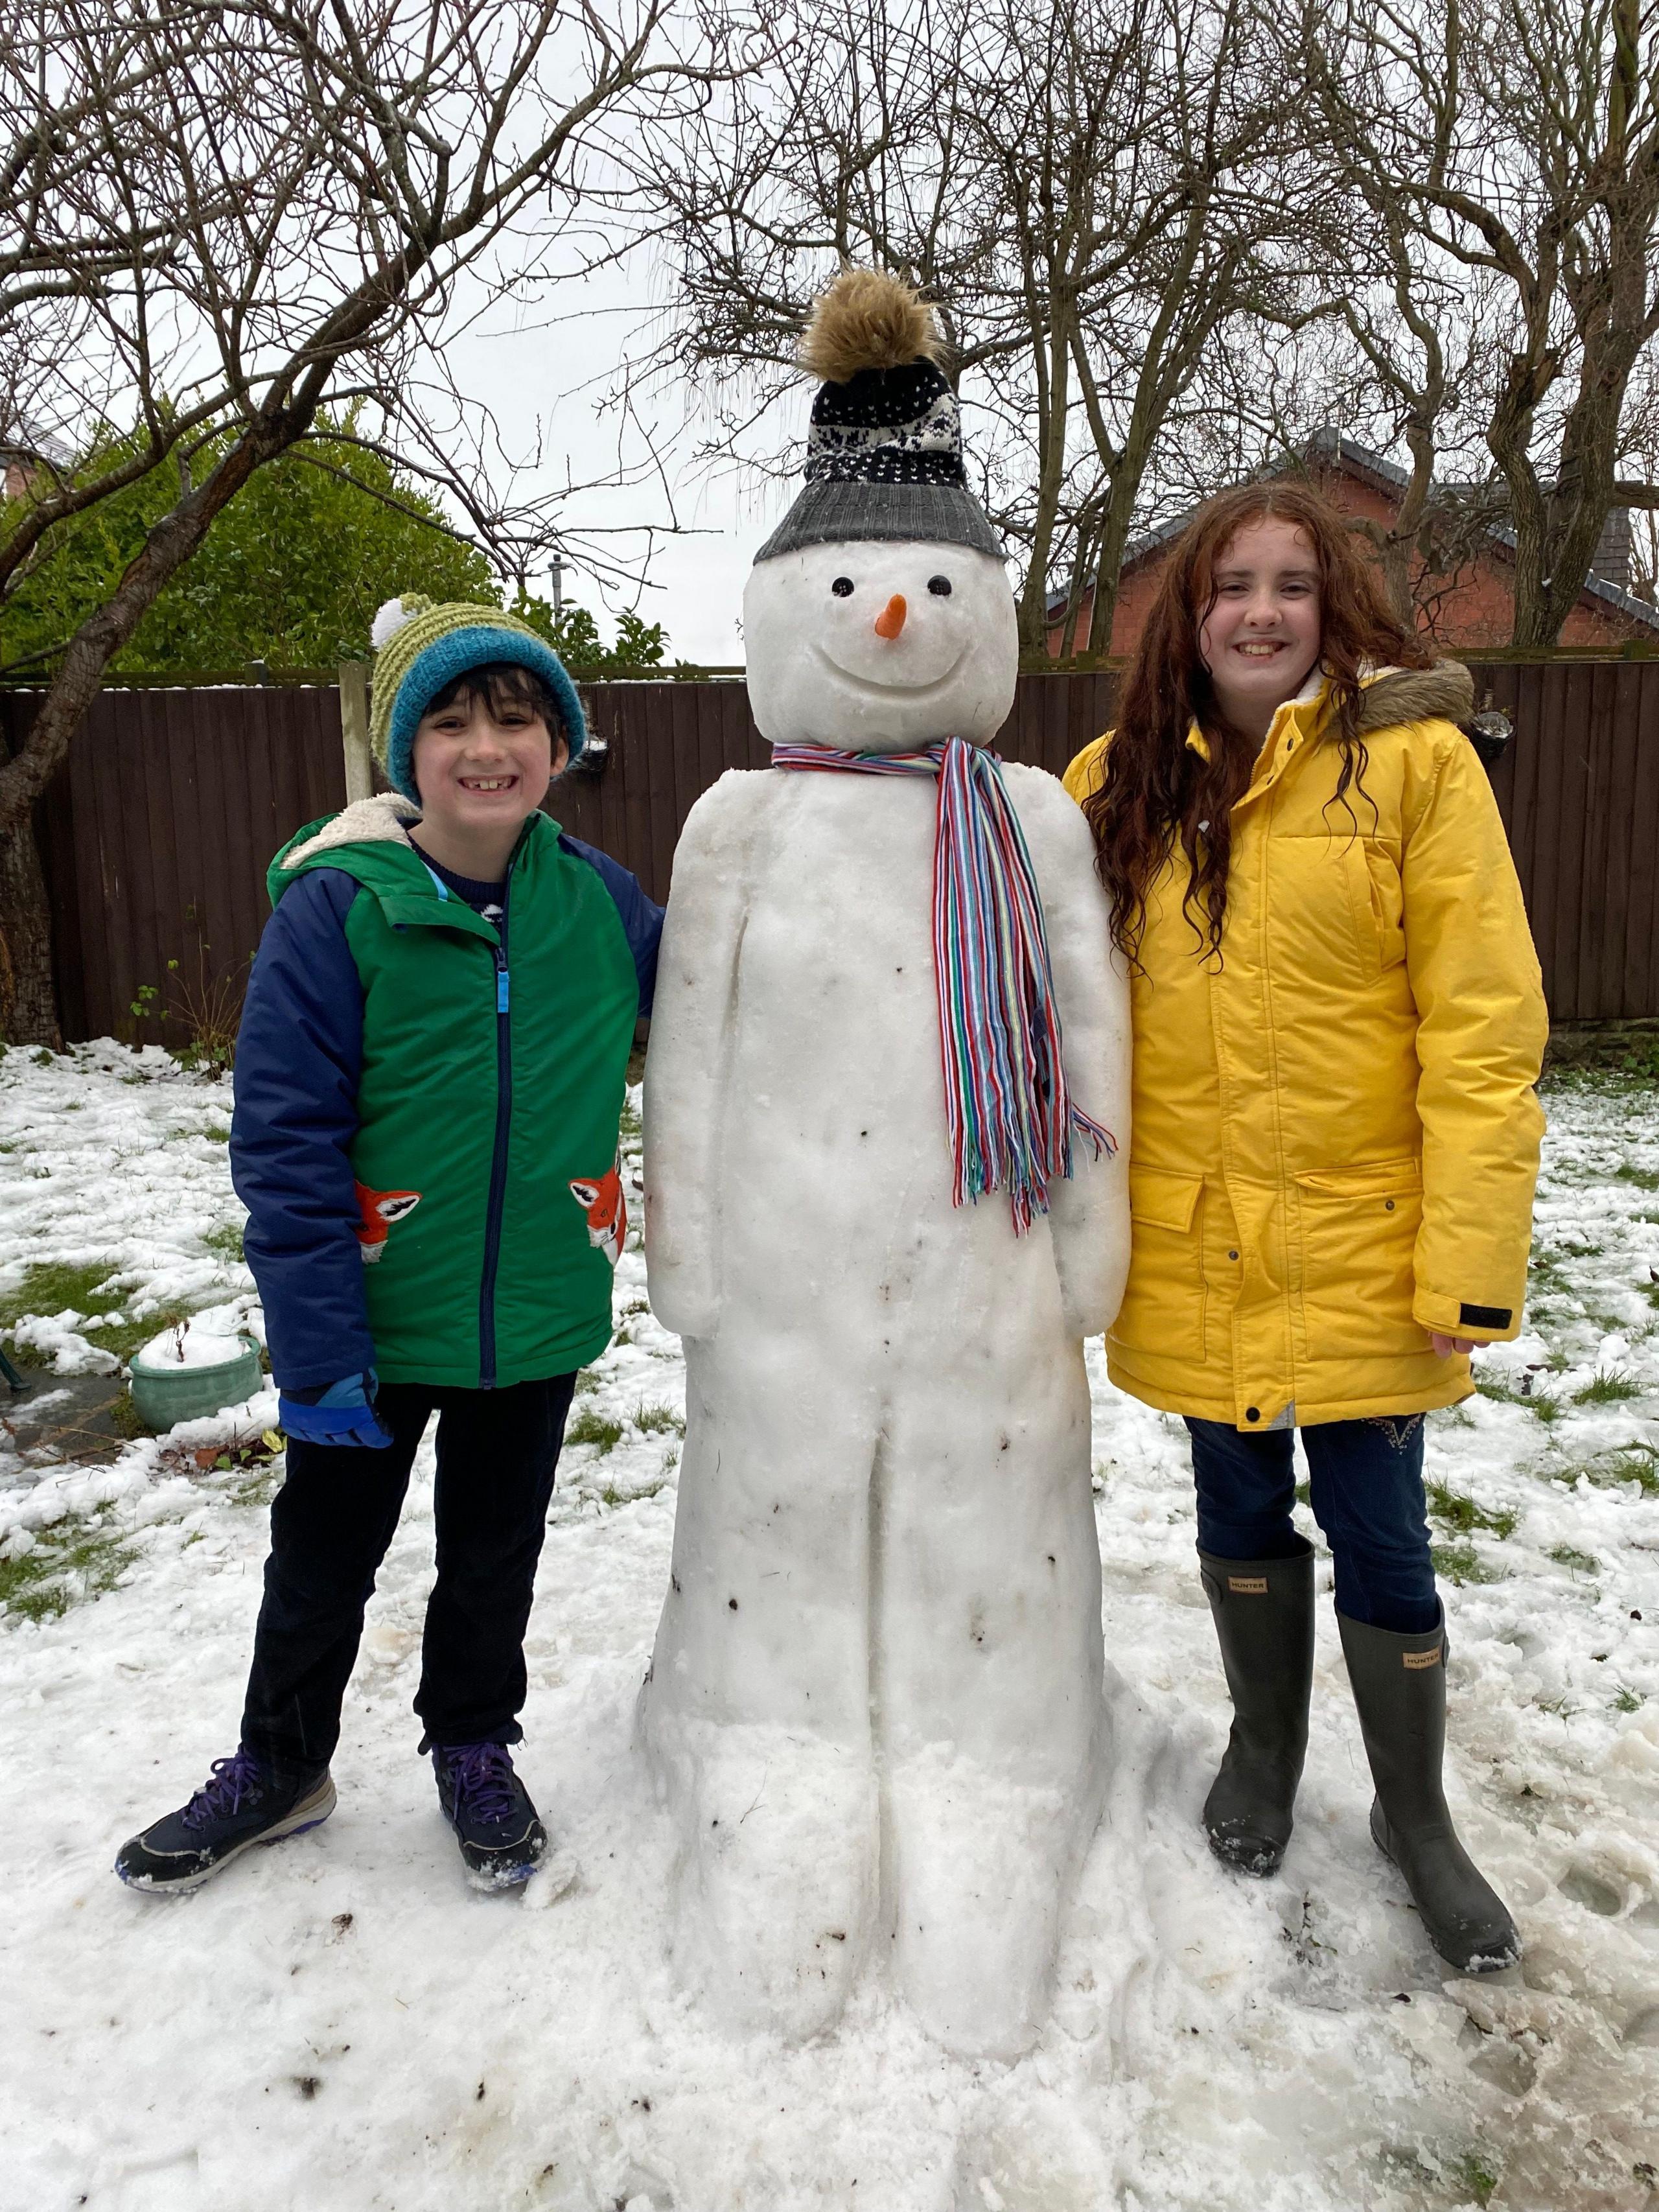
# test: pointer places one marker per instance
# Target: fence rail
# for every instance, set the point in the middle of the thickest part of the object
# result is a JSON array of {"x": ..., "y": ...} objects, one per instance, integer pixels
[{"x": 157, "y": 834}]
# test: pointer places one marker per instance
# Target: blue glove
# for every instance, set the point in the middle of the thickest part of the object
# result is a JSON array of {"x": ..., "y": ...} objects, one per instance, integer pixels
[{"x": 344, "y": 1413}]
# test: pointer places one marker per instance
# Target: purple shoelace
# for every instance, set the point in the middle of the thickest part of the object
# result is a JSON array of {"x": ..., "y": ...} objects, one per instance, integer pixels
[
  {"x": 481, "y": 1775},
  {"x": 233, "y": 1784}
]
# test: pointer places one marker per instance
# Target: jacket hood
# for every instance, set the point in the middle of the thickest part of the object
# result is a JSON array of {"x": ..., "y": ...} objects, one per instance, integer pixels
[
  {"x": 386, "y": 819},
  {"x": 1444, "y": 693}
]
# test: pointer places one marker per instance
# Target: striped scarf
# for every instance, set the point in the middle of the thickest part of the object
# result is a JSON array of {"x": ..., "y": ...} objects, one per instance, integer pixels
[{"x": 1009, "y": 1112}]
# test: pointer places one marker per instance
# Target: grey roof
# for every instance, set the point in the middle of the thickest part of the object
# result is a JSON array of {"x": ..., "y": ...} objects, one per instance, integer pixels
[
  {"x": 22, "y": 440},
  {"x": 1360, "y": 460}
]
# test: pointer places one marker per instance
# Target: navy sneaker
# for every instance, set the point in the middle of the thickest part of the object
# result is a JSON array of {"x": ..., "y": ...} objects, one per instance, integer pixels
[
  {"x": 502, "y": 1841},
  {"x": 242, "y": 1804}
]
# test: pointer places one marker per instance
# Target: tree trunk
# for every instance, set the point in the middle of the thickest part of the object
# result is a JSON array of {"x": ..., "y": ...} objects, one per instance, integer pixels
[{"x": 28, "y": 1004}]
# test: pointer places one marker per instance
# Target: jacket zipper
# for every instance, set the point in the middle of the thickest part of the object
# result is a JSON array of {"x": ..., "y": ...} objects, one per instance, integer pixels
[{"x": 498, "y": 1164}]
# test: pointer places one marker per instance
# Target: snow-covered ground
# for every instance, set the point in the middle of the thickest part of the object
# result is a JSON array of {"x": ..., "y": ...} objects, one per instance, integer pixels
[{"x": 340, "y": 2024}]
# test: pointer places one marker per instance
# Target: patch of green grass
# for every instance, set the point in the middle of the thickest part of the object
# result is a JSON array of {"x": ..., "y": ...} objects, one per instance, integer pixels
[
  {"x": 125, "y": 1418},
  {"x": 1495, "y": 1388},
  {"x": 1461, "y": 1563},
  {"x": 629, "y": 1128},
  {"x": 62, "y": 1571},
  {"x": 1304, "y": 1494},
  {"x": 258, "y": 1482},
  {"x": 1543, "y": 1407},
  {"x": 1465, "y": 1516},
  {"x": 658, "y": 1420},
  {"x": 1633, "y": 1462},
  {"x": 1581, "y": 1562},
  {"x": 1478, "y": 2173},
  {"x": 1627, "y": 1702},
  {"x": 123, "y": 1338},
  {"x": 586, "y": 1382},
  {"x": 226, "y": 1242},
  {"x": 48, "y": 1287},
  {"x": 1644, "y": 1178},
  {"x": 1607, "y": 1387},
  {"x": 216, "y": 1135},
  {"x": 612, "y": 1497},
  {"x": 593, "y": 1428}
]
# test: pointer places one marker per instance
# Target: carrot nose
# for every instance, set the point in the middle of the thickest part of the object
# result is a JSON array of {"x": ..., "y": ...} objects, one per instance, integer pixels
[{"x": 890, "y": 621}]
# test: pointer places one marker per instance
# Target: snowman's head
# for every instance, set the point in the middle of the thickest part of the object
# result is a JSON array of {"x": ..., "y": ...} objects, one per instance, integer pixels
[{"x": 879, "y": 646}]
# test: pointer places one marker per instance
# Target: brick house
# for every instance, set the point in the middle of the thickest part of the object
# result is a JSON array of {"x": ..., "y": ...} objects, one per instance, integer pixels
[
  {"x": 1473, "y": 605},
  {"x": 24, "y": 451}
]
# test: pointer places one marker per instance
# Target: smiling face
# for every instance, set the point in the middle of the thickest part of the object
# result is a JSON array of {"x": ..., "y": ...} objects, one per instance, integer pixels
[
  {"x": 872, "y": 646},
  {"x": 483, "y": 762},
  {"x": 1261, "y": 638}
]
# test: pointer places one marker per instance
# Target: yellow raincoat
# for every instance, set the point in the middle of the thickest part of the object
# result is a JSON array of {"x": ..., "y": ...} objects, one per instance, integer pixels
[{"x": 1335, "y": 1134}]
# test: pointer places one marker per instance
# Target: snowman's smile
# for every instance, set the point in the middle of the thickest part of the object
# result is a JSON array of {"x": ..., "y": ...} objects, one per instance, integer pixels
[{"x": 872, "y": 689}]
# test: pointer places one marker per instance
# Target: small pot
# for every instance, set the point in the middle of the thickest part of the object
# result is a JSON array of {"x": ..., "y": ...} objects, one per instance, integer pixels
[{"x": 167, "y": 1395}]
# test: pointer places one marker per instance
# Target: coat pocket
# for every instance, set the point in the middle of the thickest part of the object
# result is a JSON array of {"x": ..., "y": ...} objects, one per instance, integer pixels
[
  {"x": 1362, "y": 905},
  {"x": 1162, "y": 1308},
  {"x": 1358, "y": 1233}
]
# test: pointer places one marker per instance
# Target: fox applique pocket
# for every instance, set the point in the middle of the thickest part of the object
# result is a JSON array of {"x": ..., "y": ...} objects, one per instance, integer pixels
[
  {"x": 379, "y": 1209},
  {"x": 606, "y": 1208}
]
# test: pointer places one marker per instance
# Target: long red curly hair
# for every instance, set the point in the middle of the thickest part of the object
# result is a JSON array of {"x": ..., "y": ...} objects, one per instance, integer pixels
[{"x": 1156, "y": 790}]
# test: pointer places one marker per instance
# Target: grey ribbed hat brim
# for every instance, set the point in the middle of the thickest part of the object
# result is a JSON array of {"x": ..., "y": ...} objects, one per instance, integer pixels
[{"x": 940, "y": 514}]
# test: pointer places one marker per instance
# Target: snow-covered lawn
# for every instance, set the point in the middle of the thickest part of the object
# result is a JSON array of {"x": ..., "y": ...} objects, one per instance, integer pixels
[{"x": 340, "y": 2024}]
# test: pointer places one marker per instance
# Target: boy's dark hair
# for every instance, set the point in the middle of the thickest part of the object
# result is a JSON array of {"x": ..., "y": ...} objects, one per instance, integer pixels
[{"x": 501, "y": 683}]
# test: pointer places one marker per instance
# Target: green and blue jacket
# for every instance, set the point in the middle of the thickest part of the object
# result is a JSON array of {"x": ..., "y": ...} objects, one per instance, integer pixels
[{"x": 425, "y": 1131}]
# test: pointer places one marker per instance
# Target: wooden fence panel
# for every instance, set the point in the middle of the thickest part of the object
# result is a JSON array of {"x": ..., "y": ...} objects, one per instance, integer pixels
[{"x": 157, "y": 835}]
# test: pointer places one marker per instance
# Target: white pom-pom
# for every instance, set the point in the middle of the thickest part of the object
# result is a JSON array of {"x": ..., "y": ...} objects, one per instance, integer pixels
[{"x": 389, "y": 621}]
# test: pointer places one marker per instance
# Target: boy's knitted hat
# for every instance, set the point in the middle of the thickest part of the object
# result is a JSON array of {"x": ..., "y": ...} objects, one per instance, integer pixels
[
  {"x": 420, "y": 649},
  {"x": 884, "y": 451}
]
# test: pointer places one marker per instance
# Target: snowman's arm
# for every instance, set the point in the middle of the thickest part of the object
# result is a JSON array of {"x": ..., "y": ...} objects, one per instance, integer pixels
[
  {"x": 1089, "y": 1214},
  {"x": 690, "y": 1052}
]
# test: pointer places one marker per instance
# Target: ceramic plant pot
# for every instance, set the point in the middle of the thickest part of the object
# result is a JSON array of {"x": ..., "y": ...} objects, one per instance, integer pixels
[{"x": 166, "y": 1395}]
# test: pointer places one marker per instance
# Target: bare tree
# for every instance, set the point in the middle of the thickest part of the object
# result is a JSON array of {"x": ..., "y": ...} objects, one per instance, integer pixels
[
  {"x": 1089, "y": 191},
  {"x": 220, "y": 217},
  {"x": 1515, "y": 141}
]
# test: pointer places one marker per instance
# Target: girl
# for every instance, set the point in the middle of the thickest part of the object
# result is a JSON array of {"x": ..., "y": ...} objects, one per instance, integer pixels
[{"x": 1339, "y": 1024}]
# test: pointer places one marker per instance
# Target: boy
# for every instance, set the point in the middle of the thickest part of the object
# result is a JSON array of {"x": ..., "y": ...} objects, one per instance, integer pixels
[{"x": 429, "y": 1082}]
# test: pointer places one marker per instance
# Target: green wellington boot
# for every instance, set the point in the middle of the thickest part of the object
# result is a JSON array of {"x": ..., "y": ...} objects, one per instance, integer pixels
[
  {"x": 1400, "y": 1687},
  {"x": 1264, "y": 1618}
]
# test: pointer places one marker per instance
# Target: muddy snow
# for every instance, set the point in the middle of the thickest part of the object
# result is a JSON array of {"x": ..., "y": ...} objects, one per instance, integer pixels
[{"x": 340, "y": 2023}]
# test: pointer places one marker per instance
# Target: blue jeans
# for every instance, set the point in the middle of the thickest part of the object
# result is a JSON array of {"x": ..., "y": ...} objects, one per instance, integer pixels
[{"x": 1367, "y": 1495}]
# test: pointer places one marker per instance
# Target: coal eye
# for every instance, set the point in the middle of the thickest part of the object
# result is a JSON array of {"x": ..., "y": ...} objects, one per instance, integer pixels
[
  {"x": 843, "y": 587},
  {"x": 940, "y": 587}
]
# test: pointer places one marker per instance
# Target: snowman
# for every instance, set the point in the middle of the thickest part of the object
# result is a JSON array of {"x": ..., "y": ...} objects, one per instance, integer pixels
[{"x": 883, "y": 1207}]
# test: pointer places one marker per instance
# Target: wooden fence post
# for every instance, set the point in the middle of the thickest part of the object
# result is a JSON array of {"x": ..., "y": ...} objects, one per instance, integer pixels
[{"x": 354, "y": 732}]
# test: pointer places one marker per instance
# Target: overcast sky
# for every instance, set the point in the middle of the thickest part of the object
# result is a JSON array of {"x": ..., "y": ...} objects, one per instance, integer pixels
[{"x": 551, "y": 378}]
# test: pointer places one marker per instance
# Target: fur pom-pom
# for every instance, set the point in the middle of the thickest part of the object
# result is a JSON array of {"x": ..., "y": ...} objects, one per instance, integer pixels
[
  {"x": 392, "y": 616},
  {"x": 868, "y": 319}
]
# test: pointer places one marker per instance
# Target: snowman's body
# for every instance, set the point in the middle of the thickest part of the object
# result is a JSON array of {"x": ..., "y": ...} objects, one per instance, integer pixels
[{"x": 875, "y": 1700}]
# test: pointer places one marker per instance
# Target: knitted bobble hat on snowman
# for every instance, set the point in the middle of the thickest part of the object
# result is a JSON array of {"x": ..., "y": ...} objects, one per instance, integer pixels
[
  {"x": 421, "y": 649},
  {"x": 883, "y": 450}
]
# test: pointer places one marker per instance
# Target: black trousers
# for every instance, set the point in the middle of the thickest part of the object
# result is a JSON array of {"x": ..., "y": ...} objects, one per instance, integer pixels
[{"x": 331, "y": 1523}]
